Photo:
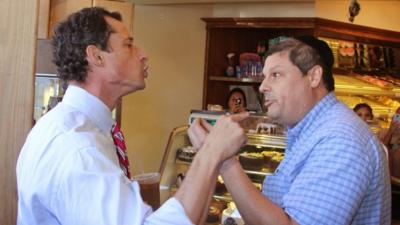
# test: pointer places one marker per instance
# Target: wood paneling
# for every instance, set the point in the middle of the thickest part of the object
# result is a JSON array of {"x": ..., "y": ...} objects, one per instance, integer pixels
[
  {"x": 125, "y": 8},
  {"x": 18, "y": 22},
  {"x": 61, "y": 9},
  {"x": 44, "y": 15}
]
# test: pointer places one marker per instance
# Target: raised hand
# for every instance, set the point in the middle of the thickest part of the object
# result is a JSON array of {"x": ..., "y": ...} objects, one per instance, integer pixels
[
  {"x": 226, "y": 137},
  {"x": 198, "y": 131}
]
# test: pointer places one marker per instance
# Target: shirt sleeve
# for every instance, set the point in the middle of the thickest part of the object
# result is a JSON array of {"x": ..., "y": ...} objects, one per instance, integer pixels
[
  {"x": 331, "y": 184},
  {"x": 94, "y": 191},
  {"x": 171, "y": 212}
]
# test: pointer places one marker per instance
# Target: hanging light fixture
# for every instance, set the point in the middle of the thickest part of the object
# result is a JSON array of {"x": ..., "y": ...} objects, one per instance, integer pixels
[{"x": 354, "y": 9}]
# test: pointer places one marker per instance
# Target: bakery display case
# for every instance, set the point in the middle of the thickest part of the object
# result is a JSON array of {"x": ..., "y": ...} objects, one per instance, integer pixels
[{"x": 260, "y": 157}]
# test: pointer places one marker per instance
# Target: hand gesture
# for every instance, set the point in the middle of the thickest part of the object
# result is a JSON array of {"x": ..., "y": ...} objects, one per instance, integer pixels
[
  {"x": 226, "y": 137},
  {"x": 198, "y": 131}
]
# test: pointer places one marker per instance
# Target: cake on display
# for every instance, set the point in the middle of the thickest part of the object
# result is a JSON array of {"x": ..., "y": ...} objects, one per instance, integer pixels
[
  {"x": 220, "y": 187},
  {"x": 272, "y": 158},
  {"x": 231, "y": 215},
  {"x": 251, "y": 160},
  {"x": 186, "y": 153}
]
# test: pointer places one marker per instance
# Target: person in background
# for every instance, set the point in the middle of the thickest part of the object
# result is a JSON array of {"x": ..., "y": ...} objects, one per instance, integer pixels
[
  {"x": 73, "y": 168},
  {"x": 364, "y": 111},
  {"x": 334, "y": 171},
  {"x": 236, "y": 101},
  {"x": 391, "y": 138}
]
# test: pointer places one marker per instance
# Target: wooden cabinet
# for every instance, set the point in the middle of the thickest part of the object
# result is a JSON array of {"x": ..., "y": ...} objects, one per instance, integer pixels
[
  {"x": 43, "y": 21},
  {"x": 239, "y": 35},
  {"x": 61, "y": 9}
]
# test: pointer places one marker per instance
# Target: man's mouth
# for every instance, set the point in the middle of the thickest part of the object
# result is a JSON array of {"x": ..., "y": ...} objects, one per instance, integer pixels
[
  {"x": 146, "y": 71},
  {"x": 267, "y": 103}
]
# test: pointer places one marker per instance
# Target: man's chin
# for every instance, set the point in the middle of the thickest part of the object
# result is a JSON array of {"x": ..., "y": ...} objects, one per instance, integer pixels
[
  {"x": 272, "y": 115},
  {"x": 134, "y": 88}
]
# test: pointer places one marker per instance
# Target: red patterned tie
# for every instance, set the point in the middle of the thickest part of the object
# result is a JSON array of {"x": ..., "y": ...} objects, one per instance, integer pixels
[{"x": 121, "y": 149}]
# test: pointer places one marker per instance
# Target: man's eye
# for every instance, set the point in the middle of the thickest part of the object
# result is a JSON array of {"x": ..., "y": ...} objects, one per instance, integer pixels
[{"x": 275, "y": 75}]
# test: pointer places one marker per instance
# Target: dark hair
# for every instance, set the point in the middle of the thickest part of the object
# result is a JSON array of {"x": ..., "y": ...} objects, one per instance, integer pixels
[
  {"x": 72, "y": 36},
  {"x": 238, "y": 90},
  {"x": 306, "y": 52},
  {"x": 363, "y": 105}
]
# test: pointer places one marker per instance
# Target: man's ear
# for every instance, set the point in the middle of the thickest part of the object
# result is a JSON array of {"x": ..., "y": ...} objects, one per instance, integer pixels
[
  {"x": 315, "y": 76},
  {"x": 93, "y": 55}
]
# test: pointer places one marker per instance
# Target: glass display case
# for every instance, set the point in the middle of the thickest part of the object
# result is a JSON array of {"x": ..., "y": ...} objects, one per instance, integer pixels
[
  {"x": 259, "y": 157},
  {"x": 48, "y": 92}
]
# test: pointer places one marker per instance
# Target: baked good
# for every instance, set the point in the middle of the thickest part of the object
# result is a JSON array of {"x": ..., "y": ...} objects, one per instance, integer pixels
[
  {"x": 275, "y": 161},
  {"x": 186, "y": 153},
  {"x": 231, "y": 216},
  {"x": 251, "y": 160},
  {"x": 214, "y": 211},
  {"x": 220, "y": 187},
  {"x": 267, "y": 128},
  {"x": 268, "y": 155},
  {"x": 213, "y": 214}
]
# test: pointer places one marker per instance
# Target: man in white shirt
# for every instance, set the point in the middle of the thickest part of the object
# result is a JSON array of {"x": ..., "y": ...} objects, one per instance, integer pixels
[{"x": 68, "y": 170}]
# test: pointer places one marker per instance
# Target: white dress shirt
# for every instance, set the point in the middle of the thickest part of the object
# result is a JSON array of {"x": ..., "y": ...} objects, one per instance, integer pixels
[{"x": 68, "y": 171}]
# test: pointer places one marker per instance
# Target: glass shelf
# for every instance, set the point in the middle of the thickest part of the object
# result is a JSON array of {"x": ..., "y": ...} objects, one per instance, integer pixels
[
  {"x": 255, "y": 80},
  {"x": 263, "y": 172}
]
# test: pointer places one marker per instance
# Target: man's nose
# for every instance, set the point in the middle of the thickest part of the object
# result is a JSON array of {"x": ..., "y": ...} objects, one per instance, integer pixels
[
  {"x": 142, "y": 55},
  {"x": 264, "y": 87}
]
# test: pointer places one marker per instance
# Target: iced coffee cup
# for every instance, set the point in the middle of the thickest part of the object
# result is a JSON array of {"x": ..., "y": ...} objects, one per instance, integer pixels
[{"x": 149, "y": 188}]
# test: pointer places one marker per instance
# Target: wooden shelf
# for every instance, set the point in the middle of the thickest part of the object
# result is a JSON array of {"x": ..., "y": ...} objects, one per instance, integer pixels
[
  {"x": 259, "y": 173},
  {"x": 263, "y": 140},
  {"x": 350, "y": 85},
  {"x": 225, "y": 198},
  {"x": 253, "y": 172}
]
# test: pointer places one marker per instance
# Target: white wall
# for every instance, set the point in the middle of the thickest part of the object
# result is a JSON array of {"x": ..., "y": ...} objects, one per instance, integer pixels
[
  {"x": 384, "y": 14},
  {"x": 271, "y": 9},
  {"x": 174, "y": 38}
]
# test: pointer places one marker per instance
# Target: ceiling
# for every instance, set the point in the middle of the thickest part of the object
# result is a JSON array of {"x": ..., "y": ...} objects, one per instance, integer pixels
[{"x": 149, "y": 2}]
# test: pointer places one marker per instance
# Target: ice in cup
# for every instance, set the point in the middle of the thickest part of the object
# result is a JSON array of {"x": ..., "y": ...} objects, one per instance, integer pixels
[{"x": 149, "y": 188}]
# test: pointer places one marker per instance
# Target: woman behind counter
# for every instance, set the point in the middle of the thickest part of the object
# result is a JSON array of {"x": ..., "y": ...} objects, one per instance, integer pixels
[
  {"x": 236, "y": 101},
  {"x": 389, "y": 137}
]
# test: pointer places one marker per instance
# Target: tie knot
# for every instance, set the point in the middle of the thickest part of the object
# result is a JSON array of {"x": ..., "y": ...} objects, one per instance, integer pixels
[{"x": 115, "y": 128}]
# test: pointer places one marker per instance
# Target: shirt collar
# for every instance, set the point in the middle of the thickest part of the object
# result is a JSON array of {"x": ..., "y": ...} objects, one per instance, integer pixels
[
  {"x": 323, "y": 105},
  {"x": 89, "y": 105}
]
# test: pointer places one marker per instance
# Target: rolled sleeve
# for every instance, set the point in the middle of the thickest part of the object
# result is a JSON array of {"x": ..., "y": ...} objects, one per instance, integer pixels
[{"x": 171, "y": 212}]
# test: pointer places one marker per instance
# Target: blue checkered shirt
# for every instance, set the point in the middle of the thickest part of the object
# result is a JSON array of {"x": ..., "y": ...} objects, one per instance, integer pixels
[{"x": 334, "y": 171}]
